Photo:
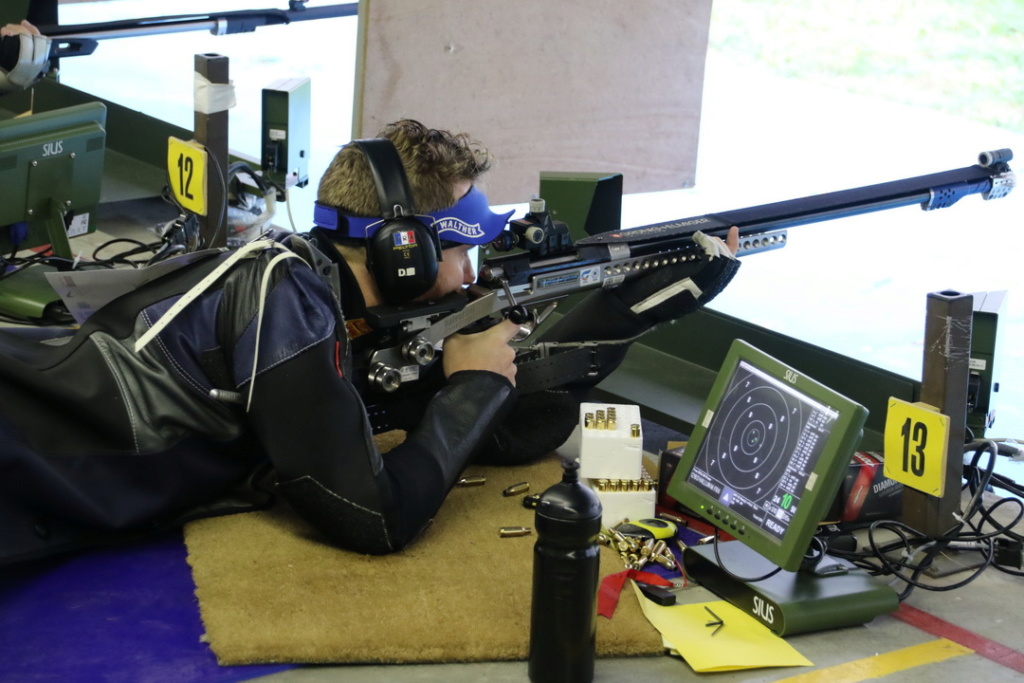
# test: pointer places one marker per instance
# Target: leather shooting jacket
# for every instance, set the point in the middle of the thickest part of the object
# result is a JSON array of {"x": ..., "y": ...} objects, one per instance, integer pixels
[{"x": 102, "y": 438}]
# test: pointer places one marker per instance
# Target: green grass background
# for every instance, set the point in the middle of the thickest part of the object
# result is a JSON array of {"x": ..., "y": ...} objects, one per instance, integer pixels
[{"x": 962, "y": 57}]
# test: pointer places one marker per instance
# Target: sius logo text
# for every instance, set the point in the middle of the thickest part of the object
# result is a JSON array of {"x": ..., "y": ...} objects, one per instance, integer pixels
[
  {"x": 765, "y": 610},
  {"x": 51, "y": 148}
]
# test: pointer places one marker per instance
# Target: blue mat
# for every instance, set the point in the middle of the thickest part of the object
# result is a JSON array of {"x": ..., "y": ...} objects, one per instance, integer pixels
[{"x": 125, "y": 613}]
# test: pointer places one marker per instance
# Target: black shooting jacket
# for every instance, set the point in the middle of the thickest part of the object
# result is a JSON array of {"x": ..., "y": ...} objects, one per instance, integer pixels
[{"x": 100, "y": 440}]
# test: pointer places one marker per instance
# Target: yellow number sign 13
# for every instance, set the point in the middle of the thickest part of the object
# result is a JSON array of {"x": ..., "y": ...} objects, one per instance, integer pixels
[
  {"x": 916, "y": 445},
  {"x": 186, "y": 169}
]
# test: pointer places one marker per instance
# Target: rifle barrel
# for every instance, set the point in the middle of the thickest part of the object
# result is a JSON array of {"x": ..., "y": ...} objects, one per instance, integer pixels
[
  {"x": 928, "y": 191},
  {"x": 218, "y": 23},
  {"x": 932, "y": 191}
]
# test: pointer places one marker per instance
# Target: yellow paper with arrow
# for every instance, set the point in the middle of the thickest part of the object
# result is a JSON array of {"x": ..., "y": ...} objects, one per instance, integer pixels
[{"x": 716, "y": 636}]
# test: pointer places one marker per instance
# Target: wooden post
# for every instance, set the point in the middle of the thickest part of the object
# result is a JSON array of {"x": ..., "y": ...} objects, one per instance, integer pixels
[
  {"x": 212, "y": 131},
  {"x": 947, "y": 352}
]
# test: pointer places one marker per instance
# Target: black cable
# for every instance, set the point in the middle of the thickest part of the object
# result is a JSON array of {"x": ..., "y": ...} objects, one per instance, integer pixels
[
  {"x": 222, "y": 219},
  {"x": 976, "y": 527},
  {"x": 241, "y": 166},
  {"x": 718, "y": 558},
  {"x": 898, "y": 568},
  {"x": 979, "y": 486},
  {"x": 123, "y": 258}
]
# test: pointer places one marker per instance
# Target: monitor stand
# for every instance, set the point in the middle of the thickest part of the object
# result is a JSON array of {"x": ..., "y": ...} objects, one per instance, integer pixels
[
  {"x": 791, "y": 602},
  {"x": 27, "y": 294}
]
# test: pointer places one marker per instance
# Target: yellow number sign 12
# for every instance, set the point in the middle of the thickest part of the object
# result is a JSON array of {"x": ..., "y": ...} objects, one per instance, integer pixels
[
  {"x": 186, "y": 169},
  {"x": 916, "y": 446}
]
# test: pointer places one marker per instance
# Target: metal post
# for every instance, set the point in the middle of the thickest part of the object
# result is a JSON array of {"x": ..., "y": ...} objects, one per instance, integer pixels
[
  {"x": 944, "y": 382},
  {"x": 212, "y": 131}
]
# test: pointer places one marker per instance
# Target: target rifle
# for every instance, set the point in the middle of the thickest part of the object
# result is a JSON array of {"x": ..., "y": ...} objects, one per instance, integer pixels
[{"x": 544, "y": 264}]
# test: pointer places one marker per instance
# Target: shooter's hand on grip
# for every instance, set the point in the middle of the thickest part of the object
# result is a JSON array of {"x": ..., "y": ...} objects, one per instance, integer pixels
[{"x": 486, "y": 350}]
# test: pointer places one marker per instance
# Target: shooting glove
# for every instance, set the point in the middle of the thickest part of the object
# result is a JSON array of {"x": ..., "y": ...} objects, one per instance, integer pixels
[
  {"x": 543, "y": 420},
  {"x": 673, "y": 291},
  {"x": 22, "y": 67},
  {"x": 617, "y": 315}
]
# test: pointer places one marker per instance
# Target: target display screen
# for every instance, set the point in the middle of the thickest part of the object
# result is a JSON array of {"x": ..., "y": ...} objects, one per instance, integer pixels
[
  {"x": 767, "y": 454},
  {"x": 762, "y": 444}
]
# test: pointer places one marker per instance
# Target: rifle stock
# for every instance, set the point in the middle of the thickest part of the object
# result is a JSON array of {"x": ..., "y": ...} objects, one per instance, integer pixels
[{"x": 548, "y": 267}]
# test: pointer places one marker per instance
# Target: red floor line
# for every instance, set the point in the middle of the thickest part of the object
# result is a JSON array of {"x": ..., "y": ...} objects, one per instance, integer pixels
[{"x": 989, "y": 649}]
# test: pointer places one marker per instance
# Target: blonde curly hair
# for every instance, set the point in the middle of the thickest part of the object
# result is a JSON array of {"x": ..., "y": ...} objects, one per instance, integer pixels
[{"x": 434, "y": 161}]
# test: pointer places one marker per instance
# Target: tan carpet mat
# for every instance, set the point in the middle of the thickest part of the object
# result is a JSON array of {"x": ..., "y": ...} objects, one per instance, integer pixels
[{"x": 270, "y": 590}]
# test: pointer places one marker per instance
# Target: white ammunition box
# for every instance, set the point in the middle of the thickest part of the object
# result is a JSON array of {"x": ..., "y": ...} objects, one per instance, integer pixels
[{"x": 611, "y": 441}]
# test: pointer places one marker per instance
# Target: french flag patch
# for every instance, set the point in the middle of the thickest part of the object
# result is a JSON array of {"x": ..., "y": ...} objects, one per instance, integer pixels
[{"x": 404, "y": 237}]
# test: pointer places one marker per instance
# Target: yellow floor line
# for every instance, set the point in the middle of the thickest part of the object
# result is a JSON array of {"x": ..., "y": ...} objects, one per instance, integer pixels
[{"x": 883, "y": 664}]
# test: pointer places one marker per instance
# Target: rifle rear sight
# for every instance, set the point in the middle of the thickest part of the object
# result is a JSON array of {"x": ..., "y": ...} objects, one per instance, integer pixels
[{"x": 535, "y": 232}]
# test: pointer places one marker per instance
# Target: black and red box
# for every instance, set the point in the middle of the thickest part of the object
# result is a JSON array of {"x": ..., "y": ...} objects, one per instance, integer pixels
[{"x": 866, "y": 494}]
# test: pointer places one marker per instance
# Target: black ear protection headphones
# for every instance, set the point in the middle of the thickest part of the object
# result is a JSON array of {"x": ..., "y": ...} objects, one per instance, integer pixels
[{"x": 402, "y": 255}]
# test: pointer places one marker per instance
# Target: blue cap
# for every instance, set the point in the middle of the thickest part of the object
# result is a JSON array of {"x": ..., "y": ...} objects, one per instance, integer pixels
[{"x": 470, "y": 221}]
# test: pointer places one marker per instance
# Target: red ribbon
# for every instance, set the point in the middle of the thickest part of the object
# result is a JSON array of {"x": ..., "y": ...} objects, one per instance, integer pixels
[{"x": 611, "y": 587}]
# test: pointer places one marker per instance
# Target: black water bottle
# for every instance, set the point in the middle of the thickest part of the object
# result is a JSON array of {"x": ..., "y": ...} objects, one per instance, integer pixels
[{"x": 566, "y": 563}]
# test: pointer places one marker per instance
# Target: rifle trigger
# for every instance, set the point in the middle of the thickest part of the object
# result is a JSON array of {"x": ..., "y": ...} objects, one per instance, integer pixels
[{"x": 548, "y": 310}]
